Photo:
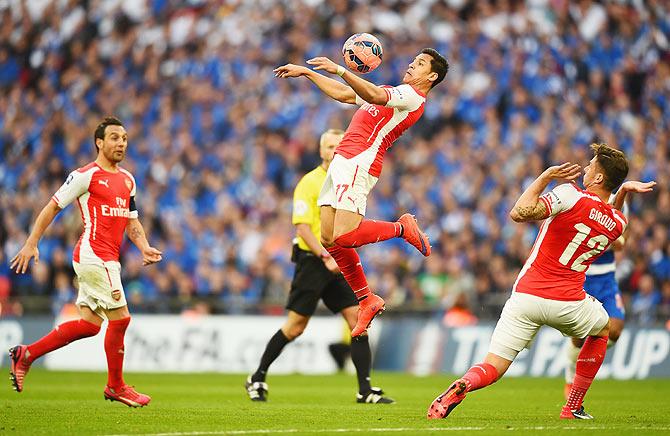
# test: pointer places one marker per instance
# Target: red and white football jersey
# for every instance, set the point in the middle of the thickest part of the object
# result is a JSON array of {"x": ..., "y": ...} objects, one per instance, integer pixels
[
  {"x": 580, "y": 226},
  {"x": 106, "y": 201},
  {"x": 374, "y": 128}
]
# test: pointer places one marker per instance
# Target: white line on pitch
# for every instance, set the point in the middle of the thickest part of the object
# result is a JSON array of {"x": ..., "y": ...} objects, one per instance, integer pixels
[{"x": 397, "y": 430}]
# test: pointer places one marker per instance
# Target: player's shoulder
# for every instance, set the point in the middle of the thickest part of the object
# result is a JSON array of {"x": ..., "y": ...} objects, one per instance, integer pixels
[
  {"x": 83, "y": 176},
  {"x": 90, "y": 167},
  {"x": 126, "y": 172},
  {"x": 129, "y": 179},
  {"x": 568, "y": 187},
  {"x": 570, "y": 190},
  {"x": 406, "y": 88},
  {"x": 619, "y": 215},
  {"x": 564, "y": 193}
]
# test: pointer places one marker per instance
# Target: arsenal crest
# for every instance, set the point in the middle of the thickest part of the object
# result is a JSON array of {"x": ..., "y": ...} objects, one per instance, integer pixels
[
  {"x": 129, "y": 184},
  {"x": 116, "y": 295}
]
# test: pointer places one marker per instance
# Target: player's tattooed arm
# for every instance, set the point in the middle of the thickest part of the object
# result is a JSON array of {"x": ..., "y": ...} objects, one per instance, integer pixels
[
  {"x": 529, "y": 213},
  {"x": 529, "y": 207},
  {"x": 136, "y": 234}
]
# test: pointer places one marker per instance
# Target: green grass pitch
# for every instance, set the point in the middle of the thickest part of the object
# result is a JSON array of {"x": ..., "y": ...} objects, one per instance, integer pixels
[{"x": 211, "y": 404}]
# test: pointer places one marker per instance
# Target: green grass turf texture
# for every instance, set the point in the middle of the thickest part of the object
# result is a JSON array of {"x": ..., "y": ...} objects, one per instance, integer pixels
[{"x": 208, "y": 404}]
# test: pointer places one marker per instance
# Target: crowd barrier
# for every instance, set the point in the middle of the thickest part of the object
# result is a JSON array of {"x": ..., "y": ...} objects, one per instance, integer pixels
[{"x": 172, "y": 343}]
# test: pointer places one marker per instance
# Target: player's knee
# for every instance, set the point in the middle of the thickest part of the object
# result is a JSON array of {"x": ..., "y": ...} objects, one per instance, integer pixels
[
  {"x": 578, "y": 342},
  {"x": 88, "y": 328},
  {"x": 614, "y": 334},
  {"x": 327, "y": 241},
  {"x": 347, "y": 240},
  {"x": 605, "y": 330}
]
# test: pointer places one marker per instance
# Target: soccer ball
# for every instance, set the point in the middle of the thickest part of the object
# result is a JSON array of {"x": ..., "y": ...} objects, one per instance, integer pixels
[{"x": 362, "y": 52}]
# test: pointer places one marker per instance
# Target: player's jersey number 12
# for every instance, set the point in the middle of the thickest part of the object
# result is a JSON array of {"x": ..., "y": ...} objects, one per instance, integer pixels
[{"x": 597, "y": 243}]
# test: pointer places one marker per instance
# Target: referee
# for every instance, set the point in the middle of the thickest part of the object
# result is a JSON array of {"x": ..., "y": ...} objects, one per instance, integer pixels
[{"x": 316, "y": 277}]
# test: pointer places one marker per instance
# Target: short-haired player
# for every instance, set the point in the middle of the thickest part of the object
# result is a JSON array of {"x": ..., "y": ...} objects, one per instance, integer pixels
[
  {"x": 105, "y": 194},
  {"x": 385, "y": 112},
  {"x": 579, "y": 225}
]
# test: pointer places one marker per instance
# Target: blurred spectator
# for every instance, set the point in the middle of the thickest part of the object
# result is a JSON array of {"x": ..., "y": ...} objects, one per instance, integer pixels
[
  {"x": 664, "y": 305},
  {"x": 64, "y": 293},
  {"x": 216, "y": 143},
  {"x": 645, "y": 302},
  {"x": 459, "y": 315}
]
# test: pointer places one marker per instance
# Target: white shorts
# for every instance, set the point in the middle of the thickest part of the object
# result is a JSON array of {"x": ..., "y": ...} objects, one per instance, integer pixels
[
  {"x": 524, "y": 314},
  {"x": 347, "y": 185},
  {"x": 100, "y": 286}
]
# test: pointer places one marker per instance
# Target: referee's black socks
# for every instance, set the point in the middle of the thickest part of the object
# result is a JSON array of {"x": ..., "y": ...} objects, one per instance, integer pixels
[
  {"x": 272, "y": 351},
  {"x": 362, "y": 359}
]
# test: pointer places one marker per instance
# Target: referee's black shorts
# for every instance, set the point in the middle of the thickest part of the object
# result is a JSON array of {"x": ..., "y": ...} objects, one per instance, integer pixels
[{"x": 312, "y": 281}]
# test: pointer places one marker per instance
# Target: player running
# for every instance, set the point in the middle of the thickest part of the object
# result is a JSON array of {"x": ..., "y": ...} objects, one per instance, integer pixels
[
  {"x": 385, "y": 113},
  {"x": 601, "y": 284},
  {"x": 105, "y": 194},
  {"x": 316, "y": 277},
  {"x": 579, "y": 225}
]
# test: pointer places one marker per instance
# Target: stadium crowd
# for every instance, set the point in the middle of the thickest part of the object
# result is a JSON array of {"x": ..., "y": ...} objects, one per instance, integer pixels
[{"x": 217, "y": 143}]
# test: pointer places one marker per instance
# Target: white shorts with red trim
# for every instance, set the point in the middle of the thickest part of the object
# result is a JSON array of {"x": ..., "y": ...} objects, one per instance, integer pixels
[
  {"x": 524, "y": 314},
  {"x": 100, "y": 286},
  {"x": 347, "y": 185}
]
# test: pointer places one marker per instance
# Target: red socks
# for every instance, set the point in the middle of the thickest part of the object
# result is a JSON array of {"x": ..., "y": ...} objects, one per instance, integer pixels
[
  {"x": 116, "y": 330},
  {"x": 350, "y": 265},
  {"x": 480, "y": 376},
  {"x": 369, "y": 231},
  {"x": 588, "y": 363},
  {"x": 60, "y": 336},
  {"x": 72, "y": 330}
]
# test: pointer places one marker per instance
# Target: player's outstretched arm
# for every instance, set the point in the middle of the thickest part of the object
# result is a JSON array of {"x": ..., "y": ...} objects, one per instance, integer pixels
[
  {"x": 631, "y": 186},
  {"x": 368, "y": 91},
  {"x": 529, "y": 207},
  {"x": 29, "y": 250},
  {"x": 331, "y": 87},
  {"x": 136, "y": 234}
]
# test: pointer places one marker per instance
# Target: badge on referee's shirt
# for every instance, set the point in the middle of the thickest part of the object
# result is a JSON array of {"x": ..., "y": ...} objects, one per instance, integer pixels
[{"x": 300, "y": 207}]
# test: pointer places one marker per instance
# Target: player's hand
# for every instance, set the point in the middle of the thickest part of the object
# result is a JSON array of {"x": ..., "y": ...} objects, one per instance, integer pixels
[
  {"x": 635, "y": 186},
  {"x": 151, "y": 255},
  {"x": 323, "y": 63},
  {"x": 568, "y": 171},
  {"x": 289, "y": 70},
  {"x": 21, "y": 261},
  {"x": 331, "y": 265}
]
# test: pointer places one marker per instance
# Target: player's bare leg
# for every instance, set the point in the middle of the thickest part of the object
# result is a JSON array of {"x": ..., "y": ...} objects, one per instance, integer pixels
[
  {"x": 477, "y": 377},
  {"x": 345, "y": 222},
  {"x": 589, "y": 361}
]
